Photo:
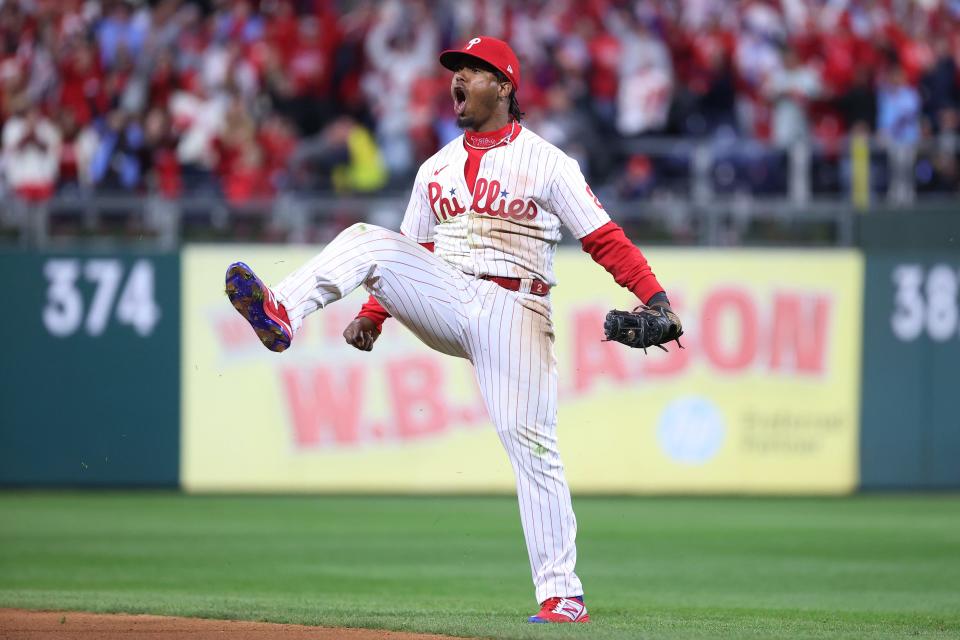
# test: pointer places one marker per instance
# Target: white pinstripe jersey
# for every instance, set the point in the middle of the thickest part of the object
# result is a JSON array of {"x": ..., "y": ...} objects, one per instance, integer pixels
[{"x": 510, "y": 225}]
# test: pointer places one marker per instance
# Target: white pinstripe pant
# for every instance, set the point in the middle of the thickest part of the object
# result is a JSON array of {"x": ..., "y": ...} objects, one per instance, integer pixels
[{"x": 507, "y": 335}]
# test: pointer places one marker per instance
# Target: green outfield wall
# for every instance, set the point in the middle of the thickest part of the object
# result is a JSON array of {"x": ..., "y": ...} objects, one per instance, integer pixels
[
  {"x": 910, "y": 425},
  {"x": 90, "y": 371}
]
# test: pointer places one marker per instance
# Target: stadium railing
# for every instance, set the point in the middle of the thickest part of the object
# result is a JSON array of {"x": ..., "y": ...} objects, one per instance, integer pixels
[{"x": 713, "y": 192}]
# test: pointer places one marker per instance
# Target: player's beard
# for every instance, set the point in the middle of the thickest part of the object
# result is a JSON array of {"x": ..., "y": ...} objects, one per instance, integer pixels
[
  {"x": 474, "y": 103},
  {"x": 469, "y": 118}
]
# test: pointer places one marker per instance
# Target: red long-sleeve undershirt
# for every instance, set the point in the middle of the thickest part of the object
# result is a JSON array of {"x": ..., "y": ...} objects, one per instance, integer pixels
[
  {"x": 611, "y": 249},
  {"x": 608, "y": 246}
]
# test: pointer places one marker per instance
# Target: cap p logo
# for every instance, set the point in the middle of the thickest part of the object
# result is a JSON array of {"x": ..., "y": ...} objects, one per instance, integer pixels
[
  {"x": 510, "y": 68},
  {"x": 472, "y": 42}
]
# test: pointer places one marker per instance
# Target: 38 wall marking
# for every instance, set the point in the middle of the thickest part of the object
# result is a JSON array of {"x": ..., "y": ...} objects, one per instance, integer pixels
[
  {"x": 925, "y": 302},
  {"x": 66, "y": 311}
]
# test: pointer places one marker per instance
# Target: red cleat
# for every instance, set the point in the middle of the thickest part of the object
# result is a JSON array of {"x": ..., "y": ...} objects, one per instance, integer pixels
[{"x": 562, "y": 610}]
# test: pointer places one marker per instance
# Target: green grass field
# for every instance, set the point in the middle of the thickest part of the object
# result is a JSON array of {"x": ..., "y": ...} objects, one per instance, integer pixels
[{"x": 865, "y": 567}]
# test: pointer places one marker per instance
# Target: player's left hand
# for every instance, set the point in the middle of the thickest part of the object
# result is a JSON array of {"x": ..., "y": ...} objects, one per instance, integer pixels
[
  {"x": 645, "y": 326},
  {"x": 361, "y": 333}
]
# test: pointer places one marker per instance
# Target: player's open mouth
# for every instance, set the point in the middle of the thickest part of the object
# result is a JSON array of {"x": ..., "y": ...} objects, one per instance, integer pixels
[{"x": 459, "y": 100}]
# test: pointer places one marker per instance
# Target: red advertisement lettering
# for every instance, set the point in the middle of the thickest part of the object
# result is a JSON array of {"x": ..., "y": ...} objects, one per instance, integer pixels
[
  {"x": 416, "y": 394},
  {"x": 729, "y": 329},
  {"x": 799, "y": 332},
  {"x": 324, "y": 404}
]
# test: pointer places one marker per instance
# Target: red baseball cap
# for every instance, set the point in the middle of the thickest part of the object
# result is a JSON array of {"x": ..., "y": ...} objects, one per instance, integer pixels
[{"x": 490, "y": 50}]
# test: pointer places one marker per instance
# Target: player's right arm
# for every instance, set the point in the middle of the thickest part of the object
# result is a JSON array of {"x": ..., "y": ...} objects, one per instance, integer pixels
[{"x": 417, "y": 224}]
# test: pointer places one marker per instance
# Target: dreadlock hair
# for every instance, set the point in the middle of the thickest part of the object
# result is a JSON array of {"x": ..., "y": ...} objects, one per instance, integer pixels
[{"x": 515, "y": 113}]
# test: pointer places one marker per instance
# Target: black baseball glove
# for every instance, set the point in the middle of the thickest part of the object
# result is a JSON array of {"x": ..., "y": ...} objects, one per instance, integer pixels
[{"x": 645, "y": 326}]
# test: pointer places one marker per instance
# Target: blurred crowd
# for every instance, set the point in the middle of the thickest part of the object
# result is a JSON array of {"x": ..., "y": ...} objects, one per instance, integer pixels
[{"x": 249, "y": 98}]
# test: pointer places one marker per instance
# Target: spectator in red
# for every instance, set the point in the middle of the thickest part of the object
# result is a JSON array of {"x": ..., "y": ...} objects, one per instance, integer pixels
[
  {"x": 310, "y": 70},
  {"x": 31, "y": 154},
  {"x": 82, "y": 86},
  {"x": 638, "y": 179},
  {"x": 160, "y": 163},
  {"x": 646, "y": 76},
  {"x": 604, "y": 76},
  {"x": 282, "y": 28},
  {"x": 247, "y": 181},
  {"x": 278, "y": 140},
  {"x": 163, "y": 79},
  {"x": 311, "y": 65},
  {"x": 31, "y": 162},
  {"x": 70, "y": 129},
  {"x": 911, "y": 49},
  {"x": 198, "y": 117},
  {"x": 238, "y": 130}
]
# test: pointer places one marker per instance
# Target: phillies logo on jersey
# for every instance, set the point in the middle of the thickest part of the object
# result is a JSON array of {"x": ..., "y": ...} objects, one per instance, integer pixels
[
  {"x": 443, "y": 208},
  {"x": 489, "y": 198}
]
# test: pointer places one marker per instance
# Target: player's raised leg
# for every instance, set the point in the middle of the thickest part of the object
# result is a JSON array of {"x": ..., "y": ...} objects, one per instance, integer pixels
[
  {"x": 512, "y": 345},
  {"x": 418, "y": 289}
]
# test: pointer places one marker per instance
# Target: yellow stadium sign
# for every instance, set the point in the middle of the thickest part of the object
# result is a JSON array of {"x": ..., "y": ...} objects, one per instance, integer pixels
[{"x": 764, "y": 399}]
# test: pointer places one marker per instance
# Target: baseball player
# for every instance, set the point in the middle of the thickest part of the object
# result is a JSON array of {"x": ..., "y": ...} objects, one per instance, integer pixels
[{"x": 470, "y": 275}]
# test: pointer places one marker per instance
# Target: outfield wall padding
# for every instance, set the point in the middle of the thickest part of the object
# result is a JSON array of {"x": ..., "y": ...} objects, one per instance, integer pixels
[
  {"x": 910, "y": 427},
  {"x": 90, "y": 392}
]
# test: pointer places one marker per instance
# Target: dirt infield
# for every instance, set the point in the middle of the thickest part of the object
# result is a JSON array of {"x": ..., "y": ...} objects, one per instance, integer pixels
[{"x": 17, "y": 624}]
